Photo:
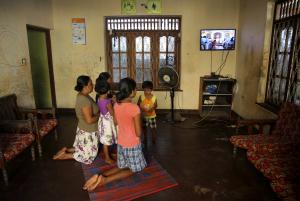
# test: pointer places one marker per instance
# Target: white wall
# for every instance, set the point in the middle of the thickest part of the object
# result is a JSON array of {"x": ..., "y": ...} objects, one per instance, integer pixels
[{"x": 14, "y": 15}]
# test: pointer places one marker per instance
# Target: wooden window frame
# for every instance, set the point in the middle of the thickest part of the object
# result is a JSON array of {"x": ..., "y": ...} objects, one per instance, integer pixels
[{"x": 154, "y": 27}]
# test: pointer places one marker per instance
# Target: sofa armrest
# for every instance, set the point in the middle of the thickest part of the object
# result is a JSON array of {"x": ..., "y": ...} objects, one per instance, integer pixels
[
  {"x": 43, "y": 113},
  {"x": 250, "y": 123},
  {"x": 16, "y": 126}
]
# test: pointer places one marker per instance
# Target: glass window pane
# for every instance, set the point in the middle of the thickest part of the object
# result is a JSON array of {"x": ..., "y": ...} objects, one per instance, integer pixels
[
  {"x": 123, "y": 44},
  {"x": 163, "y": 44},
  {"x": 276, "y": 90},
  {"x": 139, "y": 75},
  {"x": 147, "y": 74},
  {"x": 170, "y": 61},
  {"x": 147, "y": 60},
  {"x": 282, "y": 89},
  {"x": 123, "y": 73},
  {"x": 138, "y": 44},
  {"x": 171, "y": 44},
  {"x": 116, "y": 75},
  {"x": 115, "y": 60},
  {"x": 279, "y": 64},
  {"x": 285, "y": 65},
  {"x": 297, "y": 94},
  {"x": 162, "y": 60},
  {"x": 147, "y": 44},
  {"x": 138, "y": 60},
  {"x": 290, "y": 34},
  {"x": 282, "y": 40},
  {"x": 115, "y": 44},
  {"x": 123, "y": 60}
]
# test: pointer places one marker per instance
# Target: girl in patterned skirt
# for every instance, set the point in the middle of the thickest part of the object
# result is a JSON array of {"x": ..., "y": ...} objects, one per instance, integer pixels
[{"x": 106, "y": 123}]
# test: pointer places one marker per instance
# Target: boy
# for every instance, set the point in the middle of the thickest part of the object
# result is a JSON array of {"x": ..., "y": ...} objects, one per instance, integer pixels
[{"x": 148, "y": 105}]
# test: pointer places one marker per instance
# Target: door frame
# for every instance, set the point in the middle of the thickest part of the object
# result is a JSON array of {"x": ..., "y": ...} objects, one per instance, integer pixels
[{"x": 49, "y": 55}]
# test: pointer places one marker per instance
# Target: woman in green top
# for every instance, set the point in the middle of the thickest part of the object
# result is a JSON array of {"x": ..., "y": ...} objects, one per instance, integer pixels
[{"x": 85, "y": 147}]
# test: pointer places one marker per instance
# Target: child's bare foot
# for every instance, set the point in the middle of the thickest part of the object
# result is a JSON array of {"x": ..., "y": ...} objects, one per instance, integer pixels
[
  {"x": 93, "y": 182},
  {"x": 110, "y": 161},
  {"x": 60, "y": 153},
  {"x": 114, "y": 156}
]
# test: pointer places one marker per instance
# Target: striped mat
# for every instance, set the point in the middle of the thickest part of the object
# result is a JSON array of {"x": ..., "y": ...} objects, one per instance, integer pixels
[{"x": 151, "y": 180}]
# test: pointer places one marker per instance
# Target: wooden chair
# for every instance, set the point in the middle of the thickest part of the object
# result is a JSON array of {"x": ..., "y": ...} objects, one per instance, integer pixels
[{"x": 15, "y": 137}]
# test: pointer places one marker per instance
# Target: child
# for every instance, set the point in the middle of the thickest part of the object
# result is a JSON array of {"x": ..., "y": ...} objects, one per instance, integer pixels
[
  {"x": 148, "y": 105},
  {"x": 130, "y": 156},
  {"x": 105, "y": 76},
  {"x": 106, "y": 123}
]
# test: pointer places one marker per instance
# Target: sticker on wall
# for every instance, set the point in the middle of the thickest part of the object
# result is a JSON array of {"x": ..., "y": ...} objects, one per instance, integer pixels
[
  {"x": 128, "y": 6},
  {"x": 154, "y": 6},
  {"x": 78, "y": 31}
]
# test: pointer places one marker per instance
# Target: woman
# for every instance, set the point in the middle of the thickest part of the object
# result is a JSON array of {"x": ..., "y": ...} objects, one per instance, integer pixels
[{"x": 85, "y": 147}]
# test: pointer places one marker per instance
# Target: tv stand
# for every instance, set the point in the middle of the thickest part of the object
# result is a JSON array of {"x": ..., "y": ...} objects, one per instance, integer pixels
[{"x": 215, "y": 96}]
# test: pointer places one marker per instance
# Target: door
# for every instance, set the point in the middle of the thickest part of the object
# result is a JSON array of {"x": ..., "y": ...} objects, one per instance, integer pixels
[{"x": 41, "y": 67}]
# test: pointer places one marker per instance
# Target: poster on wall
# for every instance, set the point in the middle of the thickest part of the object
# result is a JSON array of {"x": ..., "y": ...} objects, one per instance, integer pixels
[
  {"x": 128, "y": 6},
  {"x": 154, "y": 6},
  {"x": 78, "y": 31}
]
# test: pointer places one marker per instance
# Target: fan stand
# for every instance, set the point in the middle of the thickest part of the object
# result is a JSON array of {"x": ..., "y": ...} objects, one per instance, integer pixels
[
  {"x": 171, "y": 117},
  {"x": 172, "y": 95}
]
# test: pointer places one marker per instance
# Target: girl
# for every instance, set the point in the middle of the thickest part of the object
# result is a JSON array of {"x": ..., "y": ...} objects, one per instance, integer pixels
[
  {"x": 106, "y": 77},
  {"x": 85, "y": 147},
  {"x": 130, "y": 156},
  {"x": 106, "y": 123}
]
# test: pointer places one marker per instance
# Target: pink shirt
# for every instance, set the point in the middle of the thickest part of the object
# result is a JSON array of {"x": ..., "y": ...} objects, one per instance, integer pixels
[{"x": 125, "y": 113}]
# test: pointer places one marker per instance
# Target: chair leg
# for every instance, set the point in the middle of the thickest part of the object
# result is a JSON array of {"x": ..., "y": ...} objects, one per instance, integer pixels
[
  {"x": 32, "y": 153},
  {"x": 5, "y": 176},
  {"x": 234, "y": 151},
  {"x": 55, "y": 134},
  {"x": 40, "y": 149}
]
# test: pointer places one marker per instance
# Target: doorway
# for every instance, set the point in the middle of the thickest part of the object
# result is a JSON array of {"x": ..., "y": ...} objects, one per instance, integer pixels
[{"x": 41, "y": 66}]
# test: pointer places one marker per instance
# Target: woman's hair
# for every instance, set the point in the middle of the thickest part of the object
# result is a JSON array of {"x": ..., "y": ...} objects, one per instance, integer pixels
[
  {"x": 103, "y": 76},
  {"x": 126, "y": 87},
  {"x": 102, "y": 87},
  {"x": 147, "y": 85},
  {"x": 82, "y": 81}
]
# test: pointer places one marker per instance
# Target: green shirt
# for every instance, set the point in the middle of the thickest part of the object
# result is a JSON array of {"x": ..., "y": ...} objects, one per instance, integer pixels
[{"x": 83, "y": 101}]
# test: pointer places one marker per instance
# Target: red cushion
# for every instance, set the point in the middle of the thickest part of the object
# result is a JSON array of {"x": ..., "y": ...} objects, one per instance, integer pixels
[
  {"x": 46, "y": 125},
  {"x": 275, "y": 166},
  {"x": 13, "y": 144}
]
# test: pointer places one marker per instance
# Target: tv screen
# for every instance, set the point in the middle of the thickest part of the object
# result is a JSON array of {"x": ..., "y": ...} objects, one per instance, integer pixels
[{"x": 217, "y": 39}]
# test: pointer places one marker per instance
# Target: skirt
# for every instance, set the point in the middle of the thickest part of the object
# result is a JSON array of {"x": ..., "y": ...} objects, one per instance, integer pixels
[
  {"x": 107, "y": 130},
  {"x": 86, "y": 146}
]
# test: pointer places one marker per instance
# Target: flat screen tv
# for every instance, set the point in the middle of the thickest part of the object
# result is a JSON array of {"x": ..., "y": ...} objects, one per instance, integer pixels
[{"x": 217, "y": 39}]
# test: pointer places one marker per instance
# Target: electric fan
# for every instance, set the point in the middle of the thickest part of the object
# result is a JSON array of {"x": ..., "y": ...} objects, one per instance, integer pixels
[{"x": 169, "y": 78}]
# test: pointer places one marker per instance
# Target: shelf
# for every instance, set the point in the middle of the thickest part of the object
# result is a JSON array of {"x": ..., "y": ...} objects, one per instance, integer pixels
[
  {"x": 212, "y": 105},
  {"x": 209, "y": 94}
]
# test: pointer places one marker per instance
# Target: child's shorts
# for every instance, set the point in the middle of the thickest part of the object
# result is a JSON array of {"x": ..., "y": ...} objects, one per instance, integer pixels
[
  {"x": 149, "y": 122},
  {"x": 132, "y": 158}
]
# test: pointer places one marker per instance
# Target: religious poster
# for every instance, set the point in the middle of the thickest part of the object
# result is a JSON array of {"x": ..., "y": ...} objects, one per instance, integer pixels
[
  {"x": 128, "y": 6},
  {"x": 78, "y": 31},
  {"x": 154, "y": 6}
]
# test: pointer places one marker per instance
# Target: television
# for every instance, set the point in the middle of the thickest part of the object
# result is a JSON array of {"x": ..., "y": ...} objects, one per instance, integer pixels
[{"x": 217, "y": 39}]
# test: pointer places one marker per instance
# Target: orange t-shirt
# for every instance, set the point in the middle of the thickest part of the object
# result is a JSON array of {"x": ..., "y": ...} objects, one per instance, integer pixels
[{"x": 125, "y": 113}]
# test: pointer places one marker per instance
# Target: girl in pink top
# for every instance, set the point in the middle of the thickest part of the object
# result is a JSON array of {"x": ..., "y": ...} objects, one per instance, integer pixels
[{"x": 130, "y": 156}]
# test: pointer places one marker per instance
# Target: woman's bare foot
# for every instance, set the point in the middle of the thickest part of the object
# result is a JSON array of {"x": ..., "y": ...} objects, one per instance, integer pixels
[{"x": 60, "y": 153}]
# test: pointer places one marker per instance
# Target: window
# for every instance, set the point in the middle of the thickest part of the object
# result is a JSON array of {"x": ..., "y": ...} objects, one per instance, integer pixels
[
  {"x": 284, "y": 67},
  {"x": 138, "y": 47}
]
